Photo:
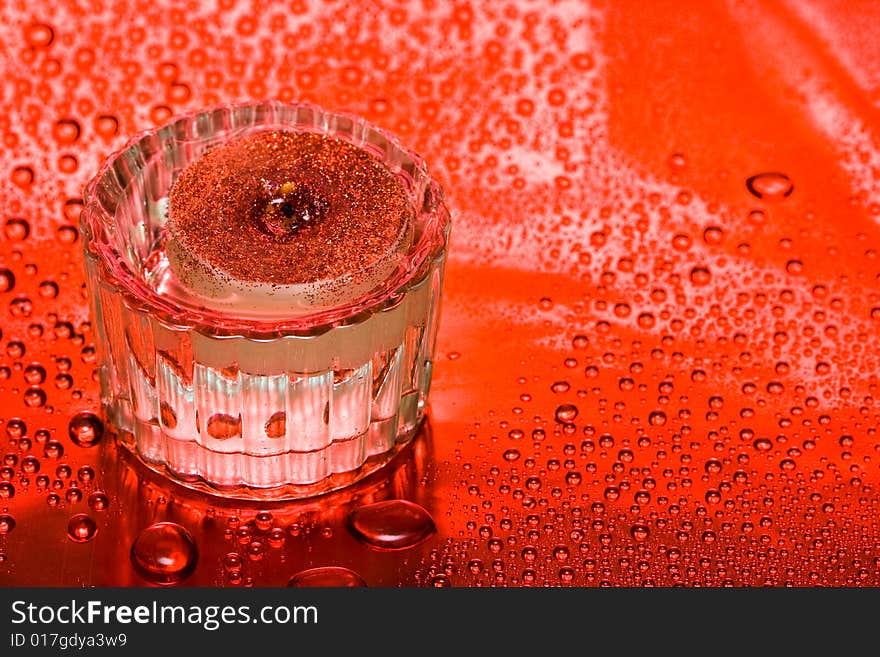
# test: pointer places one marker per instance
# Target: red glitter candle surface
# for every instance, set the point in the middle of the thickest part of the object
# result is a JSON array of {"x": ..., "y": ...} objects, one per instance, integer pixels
[{"x": 657, "y": 356}]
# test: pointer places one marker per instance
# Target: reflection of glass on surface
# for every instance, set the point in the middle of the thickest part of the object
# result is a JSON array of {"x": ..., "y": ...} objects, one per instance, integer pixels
[
  {"x": 234, "y": 538},
  {"x": 257, "y": 399}
]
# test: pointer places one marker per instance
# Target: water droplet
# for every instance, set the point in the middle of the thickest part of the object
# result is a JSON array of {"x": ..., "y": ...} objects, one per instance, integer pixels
[
  {"x": 770, "y": 186},
  {"x": 713, "y": 235},
  {"x": 580, "y": 342},
  {"x": 677, "y": 161},
  {"x": 30, "y": 465},
  {"x": 85, "y": 429},
  {"x": 657, "y": 418},
  {"x": 23, "y": 177},
  {"x": 757, "y": 217},
  {"x": 16, "y": 428},
  {"x": 289, "y": 208},
  {"x": 645, "y": 321},
  {"x": 35, "y": 397},
  {"x": 48, "y": 289},
  {"x": 560, "y": 387},
  {"x": 276, "y": 538},
  {"x": 53, "y": 449},
  {"x": 566, "y": 413},
  {"x": 511, "y": 455},
  {"x": 263, "y": 521},
  {"x": 106, "y": 125},
  {"x": 391, "y": 525},
  {"x": 232, "y": 562},
  {"x": 81, "y": 528},
  {"x": 67, "y": 234},
  {"x": 39, "y": 35},
  {"x": 7, "y": 280},
  {"x": 7, "y": 523},
  {"x": 98, "y": 501},
  {"x": 763, "y": 444},
  {"x": 17, "y": 230},
  {"x": 164, "y": 553},
  {"x": 34, "y": 374},
  {"x": 561, "y": 553},
  {"x": 700, "y": 276},
  {"x": 794, "y": 266},
  {"x": 85, "y": 474},
  {"x": 639, "y": 532},
  {"x": 327, "y": 576},
  {"x": 681, "y": 242},
  {"x": 612, "y": 493},
  {"x": 713, "y": 466},
  {"x": 440, "y": 581},
  {"x": 66, "y": 131}
]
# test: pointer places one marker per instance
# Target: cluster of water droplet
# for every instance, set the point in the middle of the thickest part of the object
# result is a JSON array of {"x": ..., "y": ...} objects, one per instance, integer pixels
[{"x": 697, "y": 434}]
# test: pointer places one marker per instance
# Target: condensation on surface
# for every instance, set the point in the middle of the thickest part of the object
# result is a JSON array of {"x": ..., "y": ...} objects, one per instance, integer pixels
[{"x": 657, "y": 360}]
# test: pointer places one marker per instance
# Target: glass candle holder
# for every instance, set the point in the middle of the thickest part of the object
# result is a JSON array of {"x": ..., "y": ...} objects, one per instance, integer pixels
[{"x": 256, "y": 391}]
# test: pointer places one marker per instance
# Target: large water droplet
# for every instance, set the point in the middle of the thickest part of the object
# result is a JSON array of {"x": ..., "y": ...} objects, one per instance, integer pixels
[
  {"x": 391, "y": 525},
  {"x": 81, "y": 528},
  {"x": 85, "y": 429},
  {"x": 327, "y": 576},
  {"x": 164, "y": 553},
  {"x": 770, "y": 186}
]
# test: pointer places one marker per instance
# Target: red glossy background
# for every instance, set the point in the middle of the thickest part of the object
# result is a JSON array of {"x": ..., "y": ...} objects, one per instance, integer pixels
[{"x": 715, "y": 422}]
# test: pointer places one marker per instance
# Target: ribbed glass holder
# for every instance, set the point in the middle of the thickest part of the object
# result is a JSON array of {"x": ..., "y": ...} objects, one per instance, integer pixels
[{"x": 245, "y": 406}]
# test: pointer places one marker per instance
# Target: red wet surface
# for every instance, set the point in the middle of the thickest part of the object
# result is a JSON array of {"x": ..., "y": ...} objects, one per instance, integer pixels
[{"x": 645, "y": 372}]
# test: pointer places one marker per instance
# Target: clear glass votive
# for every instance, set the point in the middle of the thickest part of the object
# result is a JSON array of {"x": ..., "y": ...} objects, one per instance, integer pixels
[{"x": 258, "y": 390}]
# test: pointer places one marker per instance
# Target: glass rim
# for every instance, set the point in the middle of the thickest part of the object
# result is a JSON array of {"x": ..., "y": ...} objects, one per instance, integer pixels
[{"x": 106, "y": 188}]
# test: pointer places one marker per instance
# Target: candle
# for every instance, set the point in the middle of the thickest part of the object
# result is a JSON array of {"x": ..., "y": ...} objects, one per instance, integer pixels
[
  {"x": 298, "y": 220},
  {"x": 265, "y": 284}
]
